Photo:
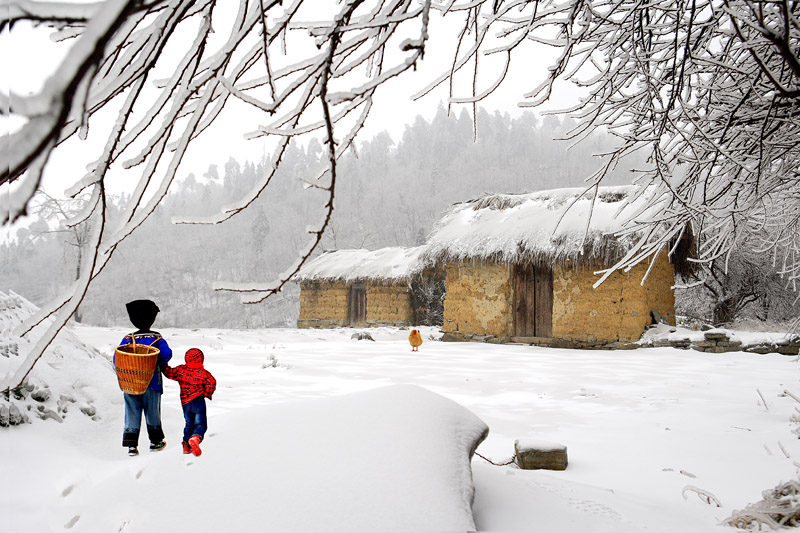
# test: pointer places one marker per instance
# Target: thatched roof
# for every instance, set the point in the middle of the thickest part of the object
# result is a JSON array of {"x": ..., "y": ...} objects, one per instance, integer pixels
[
  {"x": 386, "y": 264},
  {"x": 555, "y": 226}
]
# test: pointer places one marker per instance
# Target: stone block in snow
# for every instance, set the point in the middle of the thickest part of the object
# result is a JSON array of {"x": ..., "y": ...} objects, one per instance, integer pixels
[{"x": 540, "y": 455}]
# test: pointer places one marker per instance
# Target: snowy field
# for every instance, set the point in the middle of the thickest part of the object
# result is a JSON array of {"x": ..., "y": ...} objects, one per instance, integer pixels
[{"x": 642, "y": 428}]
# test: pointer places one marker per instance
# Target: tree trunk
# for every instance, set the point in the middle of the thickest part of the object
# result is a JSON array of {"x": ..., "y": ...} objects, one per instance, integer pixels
[{"x": 724, "y": 311}]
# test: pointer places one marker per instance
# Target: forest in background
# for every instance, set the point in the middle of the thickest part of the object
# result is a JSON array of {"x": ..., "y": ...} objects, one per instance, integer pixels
[{"x": 389, "y": 193}]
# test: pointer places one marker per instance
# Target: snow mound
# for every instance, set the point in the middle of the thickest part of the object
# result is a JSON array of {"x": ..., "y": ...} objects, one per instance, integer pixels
[
  {"x": 71, "y": 377},
  {"x": 395, "y": 458},
  {"x": 665, "y": 332}
]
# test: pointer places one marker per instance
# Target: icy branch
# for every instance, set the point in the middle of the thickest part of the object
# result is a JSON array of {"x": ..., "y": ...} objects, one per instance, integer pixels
[{"x": 704, "y": 495}]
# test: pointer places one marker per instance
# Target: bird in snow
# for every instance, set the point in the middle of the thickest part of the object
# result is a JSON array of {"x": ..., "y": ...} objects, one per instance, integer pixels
[{"x": 415, "y": 340}]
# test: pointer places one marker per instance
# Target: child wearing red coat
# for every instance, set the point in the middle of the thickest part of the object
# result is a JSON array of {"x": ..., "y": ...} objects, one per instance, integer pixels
[{"x": 197, "y": 384}]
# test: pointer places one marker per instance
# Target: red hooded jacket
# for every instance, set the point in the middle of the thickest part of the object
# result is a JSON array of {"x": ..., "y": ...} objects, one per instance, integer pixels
[{"x": 192, "y": 377}]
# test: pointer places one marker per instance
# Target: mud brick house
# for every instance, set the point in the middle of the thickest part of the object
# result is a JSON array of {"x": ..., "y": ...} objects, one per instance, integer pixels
[
  {"x": 359, "y": 288},
  {"x": 523, "y": 268}
]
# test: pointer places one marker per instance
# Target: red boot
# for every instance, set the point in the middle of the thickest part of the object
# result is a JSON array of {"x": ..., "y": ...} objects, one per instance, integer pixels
[
  {"x": 186, "y": 448},
  {"x": 194, "y": 444}
]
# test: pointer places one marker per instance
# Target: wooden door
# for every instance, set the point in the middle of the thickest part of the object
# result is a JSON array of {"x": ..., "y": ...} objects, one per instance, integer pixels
[
  {"x": 357, "y": 304},
  {"x": 523, "y": 300},
  {"x": 533, "y": 301},
  {"x": 543, "y": 296}
]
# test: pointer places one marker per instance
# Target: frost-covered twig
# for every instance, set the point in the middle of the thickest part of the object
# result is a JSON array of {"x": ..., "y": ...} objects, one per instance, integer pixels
[
  {"x": 790, "y": 395},
  {"x": 704, "y": 495},
  {"x": 763, "y": 401},
  {"x": 785, "y": 453}
]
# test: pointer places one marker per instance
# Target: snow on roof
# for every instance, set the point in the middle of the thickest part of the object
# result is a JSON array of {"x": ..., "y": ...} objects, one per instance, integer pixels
[
  {"x": 393, "y": 263},
  {"x": 553, "y": 225}
]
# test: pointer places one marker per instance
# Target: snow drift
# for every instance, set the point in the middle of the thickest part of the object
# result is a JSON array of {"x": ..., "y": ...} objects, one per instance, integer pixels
[
  {"x": 71, "y": 377},
  {"x": 389, "y": 459}
]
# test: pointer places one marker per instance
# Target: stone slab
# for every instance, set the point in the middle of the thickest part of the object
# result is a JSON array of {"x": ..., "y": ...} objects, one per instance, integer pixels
[{"x": 540, "y": 455}]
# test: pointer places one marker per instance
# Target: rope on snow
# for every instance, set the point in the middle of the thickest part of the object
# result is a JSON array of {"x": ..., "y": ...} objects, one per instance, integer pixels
[{"x": 513, "y": 460}]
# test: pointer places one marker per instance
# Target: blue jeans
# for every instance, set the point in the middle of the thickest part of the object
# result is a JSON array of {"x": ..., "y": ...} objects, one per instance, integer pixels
[
  {"x": 148, "y": 403},
  {"x": 194, "y": 413}
]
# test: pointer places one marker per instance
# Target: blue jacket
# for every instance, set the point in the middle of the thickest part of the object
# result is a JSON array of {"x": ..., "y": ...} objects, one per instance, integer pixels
[{"x": 153, "y": 338}]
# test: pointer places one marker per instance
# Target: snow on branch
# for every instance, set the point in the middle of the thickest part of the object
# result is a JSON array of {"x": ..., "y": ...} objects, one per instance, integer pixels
[{"x": 50, "y": 12}]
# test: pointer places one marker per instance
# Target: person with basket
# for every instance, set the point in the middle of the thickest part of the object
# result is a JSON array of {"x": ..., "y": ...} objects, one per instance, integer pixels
[{"x": 142, "y": 314}]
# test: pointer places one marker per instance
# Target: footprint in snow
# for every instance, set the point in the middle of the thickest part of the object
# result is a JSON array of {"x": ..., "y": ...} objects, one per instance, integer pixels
[
  {"x": 139, "y": 474},
  {"x": 66, "y": 492},
  {"x": 595, "y": 508},
  {"x": 72, "y": 522}
]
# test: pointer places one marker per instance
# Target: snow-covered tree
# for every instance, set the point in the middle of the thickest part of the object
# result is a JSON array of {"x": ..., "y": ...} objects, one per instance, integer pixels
[
  {"x": 709, "y": 88},
  {"x": 75, "y": 235}
]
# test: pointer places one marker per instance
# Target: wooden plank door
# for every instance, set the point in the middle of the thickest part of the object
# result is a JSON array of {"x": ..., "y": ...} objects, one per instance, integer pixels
[
  {"x": 543, "y": 295},
  {"x": 357, "y": 304},
  {"x": 524, "y": 303},
  {"x": 533, "y": 301}
]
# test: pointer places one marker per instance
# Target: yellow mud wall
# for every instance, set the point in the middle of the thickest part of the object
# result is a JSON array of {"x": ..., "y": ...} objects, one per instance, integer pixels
[
  {"x": 323, "y": 304},
  {"x": 660, "y": 295},
  {"x": 618, "y": 309},
  {"x": 389, "y": 304},
  {"x": 478, "y": 299}
]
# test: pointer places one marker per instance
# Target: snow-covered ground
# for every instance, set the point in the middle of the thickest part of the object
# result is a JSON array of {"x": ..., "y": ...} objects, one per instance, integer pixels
[{"x": 644, "y": 428}]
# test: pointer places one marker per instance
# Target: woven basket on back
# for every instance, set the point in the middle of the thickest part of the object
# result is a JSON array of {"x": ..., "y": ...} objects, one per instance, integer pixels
[{"x": 135, "y": 364}]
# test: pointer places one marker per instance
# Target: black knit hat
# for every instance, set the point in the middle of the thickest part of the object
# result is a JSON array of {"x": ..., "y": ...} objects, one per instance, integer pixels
[{"x": 142, "y": 313}]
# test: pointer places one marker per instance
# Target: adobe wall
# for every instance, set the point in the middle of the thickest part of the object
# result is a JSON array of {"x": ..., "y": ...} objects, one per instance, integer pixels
[
  {"x": 323, "y": 304},
  {"x": 389, "y": 305},
  {"x": 479, "y": 297},
  {"x": 619, "y": 309},
  {"x": 660, "y": 294}
]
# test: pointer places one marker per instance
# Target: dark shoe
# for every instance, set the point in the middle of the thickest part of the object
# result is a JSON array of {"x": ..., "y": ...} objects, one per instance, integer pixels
[
  {"x": 186, "y": 448},
  {"x": 194, "y": 444},
  {"x": 133, "y": 450},
  {"x": 158, "y": 446}
]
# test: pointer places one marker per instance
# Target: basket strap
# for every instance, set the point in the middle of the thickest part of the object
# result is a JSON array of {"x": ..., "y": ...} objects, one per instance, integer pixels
[{"x": 133, "y": 339}]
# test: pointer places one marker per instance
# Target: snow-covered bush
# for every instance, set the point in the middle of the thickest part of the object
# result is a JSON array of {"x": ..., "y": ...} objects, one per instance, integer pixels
[
  {"x": 427, "y": 300},
  {"x": 73, "y": 379},
  {"x": 732, "y": 288},
  {"x": 780, "y": 508}
]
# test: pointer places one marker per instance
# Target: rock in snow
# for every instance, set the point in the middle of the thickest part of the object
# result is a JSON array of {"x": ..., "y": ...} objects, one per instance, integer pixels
[{"x": 540, "y": 455}]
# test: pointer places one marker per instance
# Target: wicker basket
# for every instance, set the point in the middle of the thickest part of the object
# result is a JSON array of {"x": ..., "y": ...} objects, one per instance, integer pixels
[{"x": 135, "y": 364}]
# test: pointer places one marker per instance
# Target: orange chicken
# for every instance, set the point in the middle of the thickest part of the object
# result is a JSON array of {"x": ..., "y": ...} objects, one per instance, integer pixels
[{"x": 415, "y": 340}]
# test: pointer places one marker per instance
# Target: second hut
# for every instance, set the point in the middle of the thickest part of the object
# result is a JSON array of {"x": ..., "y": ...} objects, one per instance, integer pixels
[{"x": 360, "y": 288}]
